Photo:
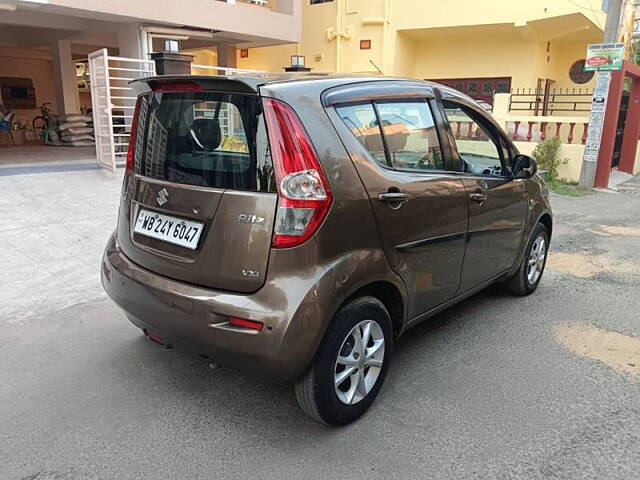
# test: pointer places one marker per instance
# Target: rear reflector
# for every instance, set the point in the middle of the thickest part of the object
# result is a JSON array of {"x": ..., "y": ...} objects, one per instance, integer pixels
[
  {"x": 250, "y": 324},
  {"x": 153, "y": 336},
  {"x": 304, "y": 195}
]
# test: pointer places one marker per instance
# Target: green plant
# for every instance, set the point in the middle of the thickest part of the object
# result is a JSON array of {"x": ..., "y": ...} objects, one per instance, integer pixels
[
  {"x": 546, "y": 155},
  {"x": 567, "y": 189}
]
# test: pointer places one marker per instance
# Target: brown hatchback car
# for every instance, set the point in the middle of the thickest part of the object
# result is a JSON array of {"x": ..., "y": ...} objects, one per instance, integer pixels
[{"x": 293, "y": 228}]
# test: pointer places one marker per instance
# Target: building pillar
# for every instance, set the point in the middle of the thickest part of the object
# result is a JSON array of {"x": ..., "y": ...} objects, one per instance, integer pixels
[
  {"x": 501, "y": 104},
  {"x": 607, "y": 144},
  {"x": 64, "y": 79},
  {"x": 227, "y": 56},
  {"x": 131, "y": 41}
]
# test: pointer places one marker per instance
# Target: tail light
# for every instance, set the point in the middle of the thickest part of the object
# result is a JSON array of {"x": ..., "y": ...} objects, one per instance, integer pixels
[
  {"x": 132, "y": 138},
  {"x": 304, "y": 193}
]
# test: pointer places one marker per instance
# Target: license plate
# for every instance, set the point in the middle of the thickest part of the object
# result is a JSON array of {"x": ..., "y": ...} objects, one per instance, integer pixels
[{"x": 169, "y": 229}]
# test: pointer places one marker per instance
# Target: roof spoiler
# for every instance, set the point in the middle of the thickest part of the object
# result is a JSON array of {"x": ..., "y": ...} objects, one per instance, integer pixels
[{"x": 235, "y": 84}]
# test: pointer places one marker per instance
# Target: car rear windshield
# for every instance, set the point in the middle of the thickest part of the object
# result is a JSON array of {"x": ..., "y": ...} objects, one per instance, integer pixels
[{"x": 207, "y": 139}]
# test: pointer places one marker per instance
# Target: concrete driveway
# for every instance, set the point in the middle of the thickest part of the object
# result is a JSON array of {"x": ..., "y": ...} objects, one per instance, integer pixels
[{"x": 543, "y": 387}]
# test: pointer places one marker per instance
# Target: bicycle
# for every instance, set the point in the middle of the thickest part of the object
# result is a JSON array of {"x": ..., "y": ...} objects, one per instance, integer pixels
[{"x": 40, "y": 123}]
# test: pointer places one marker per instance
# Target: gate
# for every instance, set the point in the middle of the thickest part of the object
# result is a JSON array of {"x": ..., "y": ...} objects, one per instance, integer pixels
[
  {"x": 622, "y": 120},
  {"x": 113, "y": 102}
]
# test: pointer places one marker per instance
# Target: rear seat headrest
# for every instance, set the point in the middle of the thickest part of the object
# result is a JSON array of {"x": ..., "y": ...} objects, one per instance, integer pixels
[{"x": 205, "y": 132}]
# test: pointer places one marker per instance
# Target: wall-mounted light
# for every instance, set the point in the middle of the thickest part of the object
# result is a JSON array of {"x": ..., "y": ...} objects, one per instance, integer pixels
[
  {"x": 297, "y": 61},
  {"x": 171, "y": 46},
  {"x": 244, "y": 53}
]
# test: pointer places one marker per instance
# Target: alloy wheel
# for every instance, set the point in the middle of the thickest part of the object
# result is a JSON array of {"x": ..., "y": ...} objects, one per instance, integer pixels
[
  {"x": 359, "y": 362},
  {"x": 537, "y": 257}
]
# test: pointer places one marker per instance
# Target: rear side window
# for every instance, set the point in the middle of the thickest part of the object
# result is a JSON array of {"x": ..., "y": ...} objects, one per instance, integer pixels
[
  {"x": 207, "y": 139},
  {"x": 363, "y": 123}
]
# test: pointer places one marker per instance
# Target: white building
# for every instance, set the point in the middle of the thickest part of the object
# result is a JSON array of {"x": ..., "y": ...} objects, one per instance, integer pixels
[{"x": 42, "y": 41}]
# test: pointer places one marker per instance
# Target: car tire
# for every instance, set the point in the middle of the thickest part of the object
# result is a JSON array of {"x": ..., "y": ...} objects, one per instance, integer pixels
[
  {"x": 526, "y": 281},
  {"x": 345, "y": 376}
]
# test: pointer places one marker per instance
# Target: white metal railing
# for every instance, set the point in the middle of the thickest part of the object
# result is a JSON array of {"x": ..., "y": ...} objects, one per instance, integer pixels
[
  {"x": 225, "y": 70},
  {"x": 113, "y": 100},
  {"x": 112, "y": 114},
  {"x": 261, "y": 3}
]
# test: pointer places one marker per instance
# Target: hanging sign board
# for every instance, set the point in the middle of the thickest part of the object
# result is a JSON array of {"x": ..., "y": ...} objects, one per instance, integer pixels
[
  {"x": 604, "y": 57},
  {"x": 596, "y": 120}
]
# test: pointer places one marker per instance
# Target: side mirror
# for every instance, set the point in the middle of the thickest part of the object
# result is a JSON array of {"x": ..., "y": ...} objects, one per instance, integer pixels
[{"x": 524, "y": 166}]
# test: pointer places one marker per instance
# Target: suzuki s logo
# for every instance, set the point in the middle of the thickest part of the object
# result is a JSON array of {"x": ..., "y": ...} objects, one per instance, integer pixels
[{"x": 163, "y": 197}]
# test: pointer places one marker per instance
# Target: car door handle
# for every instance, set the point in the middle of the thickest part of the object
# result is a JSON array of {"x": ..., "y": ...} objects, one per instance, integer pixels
[
  {"x": 393, "y": 197},
  {"x": 478, "y": 197}
]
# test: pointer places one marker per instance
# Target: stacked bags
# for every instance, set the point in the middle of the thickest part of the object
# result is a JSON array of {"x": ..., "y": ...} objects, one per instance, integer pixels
[{"x": 76, "y": 131}]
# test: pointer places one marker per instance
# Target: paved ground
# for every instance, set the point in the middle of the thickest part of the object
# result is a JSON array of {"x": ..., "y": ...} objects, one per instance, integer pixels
[
  {"x": 44, "y": 154},
  {"x": 544, "y": 387},
  {"x": 630, "y": 186}
]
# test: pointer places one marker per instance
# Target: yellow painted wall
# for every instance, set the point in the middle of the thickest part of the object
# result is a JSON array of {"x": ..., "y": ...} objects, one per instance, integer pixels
[
  {"x": 571, "y": 156},
  {"x": 429, "y": 13},
  {"x": 636, "y": 165},
  {"x": 563, "y": 55},
  {"x": 469, "y": 57},
  {"x": 315, "y": 21},
  {"x": 409, "y": 38},
  {"x": 204, "y": 56},
  {"x": 270, "y": 59}
]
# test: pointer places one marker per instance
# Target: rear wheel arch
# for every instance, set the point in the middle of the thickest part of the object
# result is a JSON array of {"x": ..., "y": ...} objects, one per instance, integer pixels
[
  {"x": 546, "y": 220},
  {"x": 390, "y": 295}
]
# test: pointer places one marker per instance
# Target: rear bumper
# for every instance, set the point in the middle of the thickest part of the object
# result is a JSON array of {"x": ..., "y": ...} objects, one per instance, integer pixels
[{"x": 195, "y": 319}]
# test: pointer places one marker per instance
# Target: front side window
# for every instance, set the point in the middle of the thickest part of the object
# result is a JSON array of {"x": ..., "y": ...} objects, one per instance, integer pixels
[
  {"x": 410, "y": 135},
  {"x": 476, "y": 145}
]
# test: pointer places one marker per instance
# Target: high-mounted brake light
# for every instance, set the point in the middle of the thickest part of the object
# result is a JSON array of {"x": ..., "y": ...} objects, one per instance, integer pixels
[
  {"x": 176, "y": 86},
  {"x": 304, "y": 194},
  {"x": 132, "y": 137}
]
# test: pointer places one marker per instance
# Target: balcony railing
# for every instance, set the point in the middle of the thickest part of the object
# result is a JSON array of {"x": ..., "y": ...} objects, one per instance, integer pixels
[
  {"x": 550, "y": 101},
  {"x": 570, "y": 130},
  {"x": 258, "y": 3}
]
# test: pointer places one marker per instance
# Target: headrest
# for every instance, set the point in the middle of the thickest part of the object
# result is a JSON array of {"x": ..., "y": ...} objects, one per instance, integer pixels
[{"x": 205, "y": 132}]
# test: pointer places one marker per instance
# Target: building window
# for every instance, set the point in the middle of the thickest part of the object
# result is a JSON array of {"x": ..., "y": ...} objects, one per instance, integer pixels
[
  {"x": 315, "y": 2},
  {"x": 577, "y": 73},
  {"x": 503, "y": 87}
]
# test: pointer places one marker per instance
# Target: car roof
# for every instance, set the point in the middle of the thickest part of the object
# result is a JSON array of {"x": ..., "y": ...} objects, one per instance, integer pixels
[
  {"x": 251, "y": 82},
  {"x": 257, "y": 80}
]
